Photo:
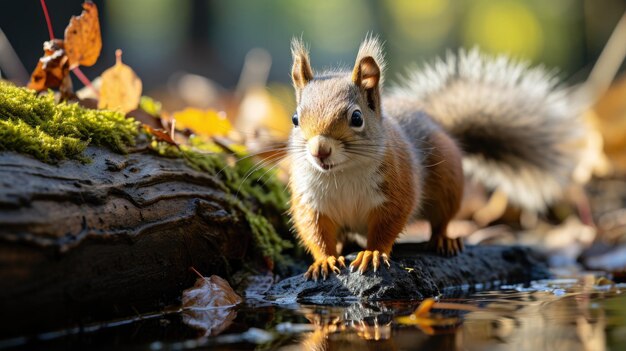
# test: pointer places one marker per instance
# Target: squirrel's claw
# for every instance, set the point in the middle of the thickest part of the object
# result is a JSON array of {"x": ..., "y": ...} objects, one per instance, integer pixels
[
  {"x": 385, "y": 258},
  {"x": 323, "y": 266},
  {"x": 446, "y": 246},
  {"x": 312, "y": 272},
  {"x": 342, "y": 261},
  {"x": 363, "y": 259}
]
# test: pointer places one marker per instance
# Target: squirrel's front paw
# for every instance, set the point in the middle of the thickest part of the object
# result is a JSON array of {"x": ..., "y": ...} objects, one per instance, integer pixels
[
  {"x": 324, "y": 265},
  {"x": 363, "y": 259}
]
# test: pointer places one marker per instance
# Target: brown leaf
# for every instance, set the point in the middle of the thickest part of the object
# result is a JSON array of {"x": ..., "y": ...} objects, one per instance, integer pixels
[
  {"x": 52, "y": 70},
  {"x": 146, "y": 118},
  {"x": 206, "y": 304},
  {"x": 160, "y": 135},
  {"x": 83, "y": 41},
  {"x": 121, "y": 88},
  {"x": 212, "y": 292}
]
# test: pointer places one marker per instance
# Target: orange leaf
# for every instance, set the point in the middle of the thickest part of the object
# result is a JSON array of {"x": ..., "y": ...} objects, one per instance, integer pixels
[
  {"x": 424, "y": 308},
  {"x": 160, "y": 135},
  {"x": 83, "y": 41},
  {"x": 52, "y": 70},
  {"x": 121, "y": 88}
]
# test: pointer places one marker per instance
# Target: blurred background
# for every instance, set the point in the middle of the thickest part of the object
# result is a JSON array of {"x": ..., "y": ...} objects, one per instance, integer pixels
[{"x": 211, "y": 38}]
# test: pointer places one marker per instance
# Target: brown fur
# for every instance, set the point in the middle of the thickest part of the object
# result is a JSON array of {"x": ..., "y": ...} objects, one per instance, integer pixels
[
  {"x": 316, "y": 231},
  {"x": 443, "y": 189},
  {"x": 400, "y": 187},
  {"x": 443, "y": 184}
]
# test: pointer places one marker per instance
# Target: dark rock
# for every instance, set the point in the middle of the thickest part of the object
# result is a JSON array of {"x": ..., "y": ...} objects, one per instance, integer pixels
[{"x": 417, "y": 274}]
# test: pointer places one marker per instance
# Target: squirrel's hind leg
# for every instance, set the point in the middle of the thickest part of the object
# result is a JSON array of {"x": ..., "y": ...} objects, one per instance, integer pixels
[
  {"x": 443, "y": 192},
  {"x": 441, "y": 244}
]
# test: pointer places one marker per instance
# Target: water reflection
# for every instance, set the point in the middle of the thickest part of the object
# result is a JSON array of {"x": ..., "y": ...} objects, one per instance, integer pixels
[
  {"x": 584, "y": 313},
  {"x": 211, "y": 321},
  {"x": 568, "y": 314}
]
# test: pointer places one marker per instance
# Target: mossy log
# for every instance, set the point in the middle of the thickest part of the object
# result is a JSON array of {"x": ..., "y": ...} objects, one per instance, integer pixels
[{"x": 111, "y": 237}]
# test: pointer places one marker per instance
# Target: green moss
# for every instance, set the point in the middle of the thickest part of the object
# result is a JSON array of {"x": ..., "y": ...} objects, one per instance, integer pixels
[
  {"x": 249, "y": 187},
  {"x": 151, "y": 106},
  {"x": 51, "y": 131},
  {"x": 245, "y": 182},
  {"x": 268, "y": 241},
  {"x": 21, "y": 137},
  {"x": 245, "y": 178},
  {"x": 38, "y": 126}
]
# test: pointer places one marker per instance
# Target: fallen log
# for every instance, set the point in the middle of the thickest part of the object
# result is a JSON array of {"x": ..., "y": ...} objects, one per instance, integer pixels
[{"x": 113, "y": 237}]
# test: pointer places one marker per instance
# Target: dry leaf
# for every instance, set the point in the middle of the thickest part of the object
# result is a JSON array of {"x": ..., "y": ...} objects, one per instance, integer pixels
[
  {"x": 121, "y": 88},
  {"x": 145, "y": 118},
  {"x": 82, "y": 46},
  {"x": 83, "y": 41},
  {"x": 424, "y": 308},
  {"x": 160, "y": 135},
  {"x": 206, "y": 304},
  {"x": 212, "y": 292},
  {"x": 52, "y": 70},
  {"x": 206, "y": 123}
]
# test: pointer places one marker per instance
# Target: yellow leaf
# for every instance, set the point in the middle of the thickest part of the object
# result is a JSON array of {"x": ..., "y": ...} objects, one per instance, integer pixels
[
  {"x": 121, "y": 88},
  {"x": 202, "y": 122},
  {"x": 260, "y": 110}
]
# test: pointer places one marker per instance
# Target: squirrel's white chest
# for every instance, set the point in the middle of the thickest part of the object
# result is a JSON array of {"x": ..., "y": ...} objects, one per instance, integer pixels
[{"x": 344, "y": 196}]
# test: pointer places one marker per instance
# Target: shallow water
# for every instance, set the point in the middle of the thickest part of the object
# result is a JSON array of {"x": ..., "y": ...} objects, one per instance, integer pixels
[{"x": 585, "y": 312}]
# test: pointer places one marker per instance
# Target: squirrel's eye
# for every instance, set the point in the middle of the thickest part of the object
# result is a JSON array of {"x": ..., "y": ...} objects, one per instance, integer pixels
[
  {"x": 294, "y": 119},
  {"x": 356, "y": 120}
]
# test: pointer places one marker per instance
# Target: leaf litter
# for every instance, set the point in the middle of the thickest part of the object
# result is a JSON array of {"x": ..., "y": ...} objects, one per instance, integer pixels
[{"x": 207, "y": 305}]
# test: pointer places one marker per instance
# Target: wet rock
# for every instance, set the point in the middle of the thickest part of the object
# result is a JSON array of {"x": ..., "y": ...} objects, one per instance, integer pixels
[{"x": 417, "y": 274}]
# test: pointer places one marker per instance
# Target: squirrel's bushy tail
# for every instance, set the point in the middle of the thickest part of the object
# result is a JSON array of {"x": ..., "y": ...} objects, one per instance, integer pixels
[{"x": 520, "y": 132}]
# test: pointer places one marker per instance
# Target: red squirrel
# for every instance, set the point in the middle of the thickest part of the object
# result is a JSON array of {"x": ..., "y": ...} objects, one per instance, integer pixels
[{"x": 367, "y": 163}]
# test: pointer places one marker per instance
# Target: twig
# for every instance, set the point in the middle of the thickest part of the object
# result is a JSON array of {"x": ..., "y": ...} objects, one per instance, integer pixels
[
  {"x": 609, "y": 61},
  {"x": 81, "y": 76},
  {"x": 45, "y": 13},
  {"x": 198, "y": 273}
]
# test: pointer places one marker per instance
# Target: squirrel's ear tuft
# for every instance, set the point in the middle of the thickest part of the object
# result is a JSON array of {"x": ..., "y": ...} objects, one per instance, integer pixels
[
  {"x": 368, "y": 70},
  {"x": 301, "y": 72}
]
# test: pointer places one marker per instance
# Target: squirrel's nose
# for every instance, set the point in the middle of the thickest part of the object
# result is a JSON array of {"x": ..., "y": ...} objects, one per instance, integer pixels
[{"x": 322, "y": 153}]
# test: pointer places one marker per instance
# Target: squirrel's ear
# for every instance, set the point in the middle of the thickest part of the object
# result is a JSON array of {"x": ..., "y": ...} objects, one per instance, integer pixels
[
  {"x": 301, "y": 72},
  {"x": 366, "y": 74},
  {"x": 368, "y": 70}
]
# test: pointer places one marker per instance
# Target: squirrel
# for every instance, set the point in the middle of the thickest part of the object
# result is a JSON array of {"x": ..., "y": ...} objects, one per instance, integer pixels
[{"x": 367, "y": 163}]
